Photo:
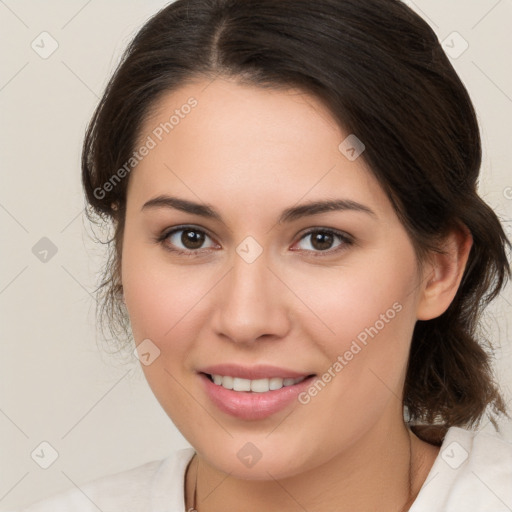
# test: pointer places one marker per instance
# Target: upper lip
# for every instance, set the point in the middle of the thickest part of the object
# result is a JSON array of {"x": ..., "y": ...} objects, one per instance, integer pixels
[{"x": 260, "y": 371}]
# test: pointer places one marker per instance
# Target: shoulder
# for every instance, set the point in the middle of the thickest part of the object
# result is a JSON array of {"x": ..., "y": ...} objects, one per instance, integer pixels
[
  {"x": 139, "y": 488},
  {"x": 472, "y": 472}
]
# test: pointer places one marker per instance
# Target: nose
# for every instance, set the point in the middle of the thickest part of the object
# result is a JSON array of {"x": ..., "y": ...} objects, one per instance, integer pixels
[{"x": 252, "y": 303}]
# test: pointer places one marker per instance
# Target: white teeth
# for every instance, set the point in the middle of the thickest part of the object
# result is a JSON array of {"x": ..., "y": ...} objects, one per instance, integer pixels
[
  {"x": 275, "y": 383},
  {"x": 256, "y": 385},
  {"x": 241, "y": 384},
  {"x": 260, "y": 385},
  {"x": 226, "y": 382}
]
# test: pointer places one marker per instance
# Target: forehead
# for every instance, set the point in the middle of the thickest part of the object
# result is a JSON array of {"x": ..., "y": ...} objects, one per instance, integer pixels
[
  {"x": 224, "y": 112},
  {"x": 228, "y": 141}
]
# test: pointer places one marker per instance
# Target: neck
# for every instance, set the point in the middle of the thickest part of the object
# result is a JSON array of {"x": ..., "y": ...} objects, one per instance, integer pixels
[{"x": 383, "y": 471}]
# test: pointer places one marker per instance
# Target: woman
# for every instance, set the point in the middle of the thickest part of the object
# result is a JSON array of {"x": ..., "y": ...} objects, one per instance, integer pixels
[{"x": 302, "y": 257}]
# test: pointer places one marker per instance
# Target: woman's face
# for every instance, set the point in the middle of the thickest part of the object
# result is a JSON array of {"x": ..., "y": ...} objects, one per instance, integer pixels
[{"x": 267, "y": 287}]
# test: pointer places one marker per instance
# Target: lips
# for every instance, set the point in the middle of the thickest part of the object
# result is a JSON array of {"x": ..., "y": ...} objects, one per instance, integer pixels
[{"x": 252, "y": 393}]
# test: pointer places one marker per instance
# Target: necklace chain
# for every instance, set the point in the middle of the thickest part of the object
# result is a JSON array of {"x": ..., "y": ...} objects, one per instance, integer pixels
[{"x": 403, "y": 509}]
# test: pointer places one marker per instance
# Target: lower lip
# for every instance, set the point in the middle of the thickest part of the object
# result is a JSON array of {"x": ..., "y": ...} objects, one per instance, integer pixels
[{"x": 248, "y": 405}]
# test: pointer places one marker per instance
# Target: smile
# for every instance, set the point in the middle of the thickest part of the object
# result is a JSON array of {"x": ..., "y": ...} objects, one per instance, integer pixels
[
  {"x": 256, "y": 385},
  {"x": 252, "y": 393}
]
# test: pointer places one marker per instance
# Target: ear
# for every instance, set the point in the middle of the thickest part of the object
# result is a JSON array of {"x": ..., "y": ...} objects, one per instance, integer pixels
[{"x": 443, "y": 273}]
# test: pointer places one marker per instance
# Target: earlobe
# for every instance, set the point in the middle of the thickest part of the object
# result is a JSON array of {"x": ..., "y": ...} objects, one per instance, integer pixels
[{"x": 443, "y": 274}]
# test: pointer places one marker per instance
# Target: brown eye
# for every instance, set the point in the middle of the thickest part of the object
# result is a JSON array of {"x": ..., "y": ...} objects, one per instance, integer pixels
[
  {"x": 192, "y": 239},
  {"x": 323, "y": 240},
  {"x": 186, "y": 239}
]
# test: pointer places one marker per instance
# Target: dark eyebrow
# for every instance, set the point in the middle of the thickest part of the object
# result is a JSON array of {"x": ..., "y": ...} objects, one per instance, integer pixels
[
  {"x": 288, "y": 215},
  {"x": 315, "y": 207},
  {"x": 184, "y": 205}
]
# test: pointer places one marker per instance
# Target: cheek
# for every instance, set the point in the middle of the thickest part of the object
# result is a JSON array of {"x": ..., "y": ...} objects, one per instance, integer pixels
[
  {"x": 364, "y": 299},
  {"x": 164, "y": 306},
  {"x": 159, "y": 296},
  {"x": 363, "y": 323}
]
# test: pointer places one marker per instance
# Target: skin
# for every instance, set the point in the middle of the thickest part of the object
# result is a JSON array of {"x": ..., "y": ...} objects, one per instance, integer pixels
[{"x": 250, "y": 153}]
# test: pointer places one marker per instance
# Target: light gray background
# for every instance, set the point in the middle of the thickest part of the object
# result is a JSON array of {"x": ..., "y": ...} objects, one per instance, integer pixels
[{"x": 56, "y": 386}]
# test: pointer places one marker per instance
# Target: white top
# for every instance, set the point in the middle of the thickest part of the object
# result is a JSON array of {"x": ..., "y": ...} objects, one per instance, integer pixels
[{"x": 473, "y": 472}]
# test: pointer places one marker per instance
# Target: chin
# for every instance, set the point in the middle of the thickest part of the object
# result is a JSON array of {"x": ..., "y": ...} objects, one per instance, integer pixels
[{"x": 258, "y": 459}]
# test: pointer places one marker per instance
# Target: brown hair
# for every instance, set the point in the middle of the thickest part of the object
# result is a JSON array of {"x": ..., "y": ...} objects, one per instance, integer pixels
[{"x": 381, "y": 71}]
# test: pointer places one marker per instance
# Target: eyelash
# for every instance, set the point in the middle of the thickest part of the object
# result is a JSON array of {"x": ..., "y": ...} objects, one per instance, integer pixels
[{"x": 343, "y": 237}]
